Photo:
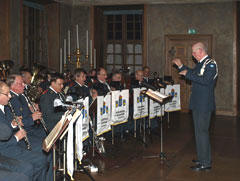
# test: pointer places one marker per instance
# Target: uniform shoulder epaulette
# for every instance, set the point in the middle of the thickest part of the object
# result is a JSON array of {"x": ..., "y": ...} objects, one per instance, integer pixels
[{"x": 212, "y": 64}]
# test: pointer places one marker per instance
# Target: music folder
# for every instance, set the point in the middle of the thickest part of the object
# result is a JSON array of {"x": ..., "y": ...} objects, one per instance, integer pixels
[
  {"x": 157, "y": 96},
  {"x": 57, "y": 131}
]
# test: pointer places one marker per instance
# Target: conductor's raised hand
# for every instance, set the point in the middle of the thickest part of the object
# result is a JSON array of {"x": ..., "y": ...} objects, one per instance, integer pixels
[{"x": 177, "y": 62}]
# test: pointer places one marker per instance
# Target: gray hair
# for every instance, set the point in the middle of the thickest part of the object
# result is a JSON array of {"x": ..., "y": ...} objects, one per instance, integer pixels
[{"x": 11, "y": 79}]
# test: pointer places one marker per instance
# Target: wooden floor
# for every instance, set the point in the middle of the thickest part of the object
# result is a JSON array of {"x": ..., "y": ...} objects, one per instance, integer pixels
[{"x": 125, "y": 161}]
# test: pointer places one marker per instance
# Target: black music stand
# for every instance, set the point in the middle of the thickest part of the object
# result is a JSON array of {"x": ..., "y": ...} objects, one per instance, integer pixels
[
  {"x": 162, "y": 155},
  {"x": 142, "y": 125}
]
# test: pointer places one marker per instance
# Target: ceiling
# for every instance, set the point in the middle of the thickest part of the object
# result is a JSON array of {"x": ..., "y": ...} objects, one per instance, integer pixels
[{"x": 124, "y": 2}]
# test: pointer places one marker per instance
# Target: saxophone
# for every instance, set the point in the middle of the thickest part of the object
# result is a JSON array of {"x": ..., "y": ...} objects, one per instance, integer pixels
[{"x": 19, "y": 126}]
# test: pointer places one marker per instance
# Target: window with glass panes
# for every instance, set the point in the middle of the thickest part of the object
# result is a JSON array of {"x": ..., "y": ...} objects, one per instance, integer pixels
[
  {"x": 34, "y": 32},
  {"x": 124, "y": 41}
]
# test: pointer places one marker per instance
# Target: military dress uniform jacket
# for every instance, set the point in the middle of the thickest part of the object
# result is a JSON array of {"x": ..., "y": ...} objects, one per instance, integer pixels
[
  {"x": 203, "y": 82},
  {"x": 10, "y": 168},
  {"x": 21, "y": 108},
  {"x": 50, "y": 116},
  {"x": 77, "y": 91},
  {"x": 6, "y": 119},
  {"x": 30, "y": 163},
  {"x": 5, "y": 131}
]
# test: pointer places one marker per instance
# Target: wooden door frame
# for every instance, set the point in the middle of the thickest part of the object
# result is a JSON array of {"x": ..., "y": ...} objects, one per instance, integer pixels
[{"x": 170, "y": 37}]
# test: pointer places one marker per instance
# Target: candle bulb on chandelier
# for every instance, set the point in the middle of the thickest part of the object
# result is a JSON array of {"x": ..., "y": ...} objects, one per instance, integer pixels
[{"x": 77, "y": 36}]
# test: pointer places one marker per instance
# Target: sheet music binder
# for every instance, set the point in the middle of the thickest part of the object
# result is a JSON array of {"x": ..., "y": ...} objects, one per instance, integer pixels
[
  {"x": 157, "y": 96},
  {"x": 57, "y": 131}
]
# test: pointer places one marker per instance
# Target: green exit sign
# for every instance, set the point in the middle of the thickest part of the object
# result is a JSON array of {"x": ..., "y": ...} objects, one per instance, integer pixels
[{"x": 192, "y": 31}]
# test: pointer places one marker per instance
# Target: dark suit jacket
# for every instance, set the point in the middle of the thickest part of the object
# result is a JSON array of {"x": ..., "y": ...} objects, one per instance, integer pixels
[
  {"x": 50, "y": 116},
  {"x": 117, "y": 85},
  {"x": 101, "y": 88},
  {"x": 202, "y": 96},
  {"x": 78, "y": 92}
]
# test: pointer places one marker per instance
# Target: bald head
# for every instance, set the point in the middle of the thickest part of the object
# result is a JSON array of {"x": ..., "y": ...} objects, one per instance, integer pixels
[{"x": 199, "y": 50}]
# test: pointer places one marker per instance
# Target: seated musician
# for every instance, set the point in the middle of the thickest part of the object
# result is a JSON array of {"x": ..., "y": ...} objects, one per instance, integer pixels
[
  {"x": 27, "y": 77},
  {"x": 50, "y": 115},
  {"x": 46, "y": 82},
  {"x": 146, "y": 75},
  {"x": 20, "y": 105},
  {"x": 137, "y": 81},
  {"x": 79, "y": 90},
  {"x": 116, "y": 82},
  {"x": 18, "y": 159},
  {"x": 12, "y": 169},
  {"x": 101, "y": 86},
  {"x": 91, "y": 77}
]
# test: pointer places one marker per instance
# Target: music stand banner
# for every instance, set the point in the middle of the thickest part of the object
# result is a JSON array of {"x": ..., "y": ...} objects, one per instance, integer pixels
[
  {"x": 140, "y": 104},
  {"x": 103, "y": 114},
  {"x": 79, "y": 138},
  {"x": 70, "y": 151},
  {"x": 120, "y": 106},
  {"x": 156, "y": 109},
  {"x": 175, "y": 104},
  {"x": 85, "y": 122}
]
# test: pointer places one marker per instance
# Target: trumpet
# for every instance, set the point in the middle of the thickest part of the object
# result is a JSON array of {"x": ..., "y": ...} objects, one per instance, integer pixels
[
  {"x": 19, "y": 126},
  {"x": 34, "y": 109}
]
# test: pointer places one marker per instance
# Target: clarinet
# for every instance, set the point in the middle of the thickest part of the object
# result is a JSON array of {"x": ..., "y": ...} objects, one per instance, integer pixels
[
  {"x": 34, "y": 109},
  {"x": 19, "y": 126}
]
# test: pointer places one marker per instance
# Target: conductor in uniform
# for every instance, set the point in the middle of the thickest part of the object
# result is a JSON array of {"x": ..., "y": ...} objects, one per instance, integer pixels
[{"x": 202, "y": 101}]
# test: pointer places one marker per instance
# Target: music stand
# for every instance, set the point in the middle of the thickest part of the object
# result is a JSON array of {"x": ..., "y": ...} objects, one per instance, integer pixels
[
  {"x": 156, "y": 96},
  {"x": 142, "y": 121}
]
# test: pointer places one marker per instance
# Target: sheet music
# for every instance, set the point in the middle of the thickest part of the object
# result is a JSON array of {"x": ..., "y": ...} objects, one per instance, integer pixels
[{"x": 51, "y": 138}]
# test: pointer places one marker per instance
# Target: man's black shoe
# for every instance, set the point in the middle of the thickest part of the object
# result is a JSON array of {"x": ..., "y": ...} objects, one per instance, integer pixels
[
  {"x": 197, "y": 162},
  {"x": 200, "y": 167}
]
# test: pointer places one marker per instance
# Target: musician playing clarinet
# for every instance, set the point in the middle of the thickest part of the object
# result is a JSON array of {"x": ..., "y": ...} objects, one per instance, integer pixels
[{"x": 31, "y": 164}]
